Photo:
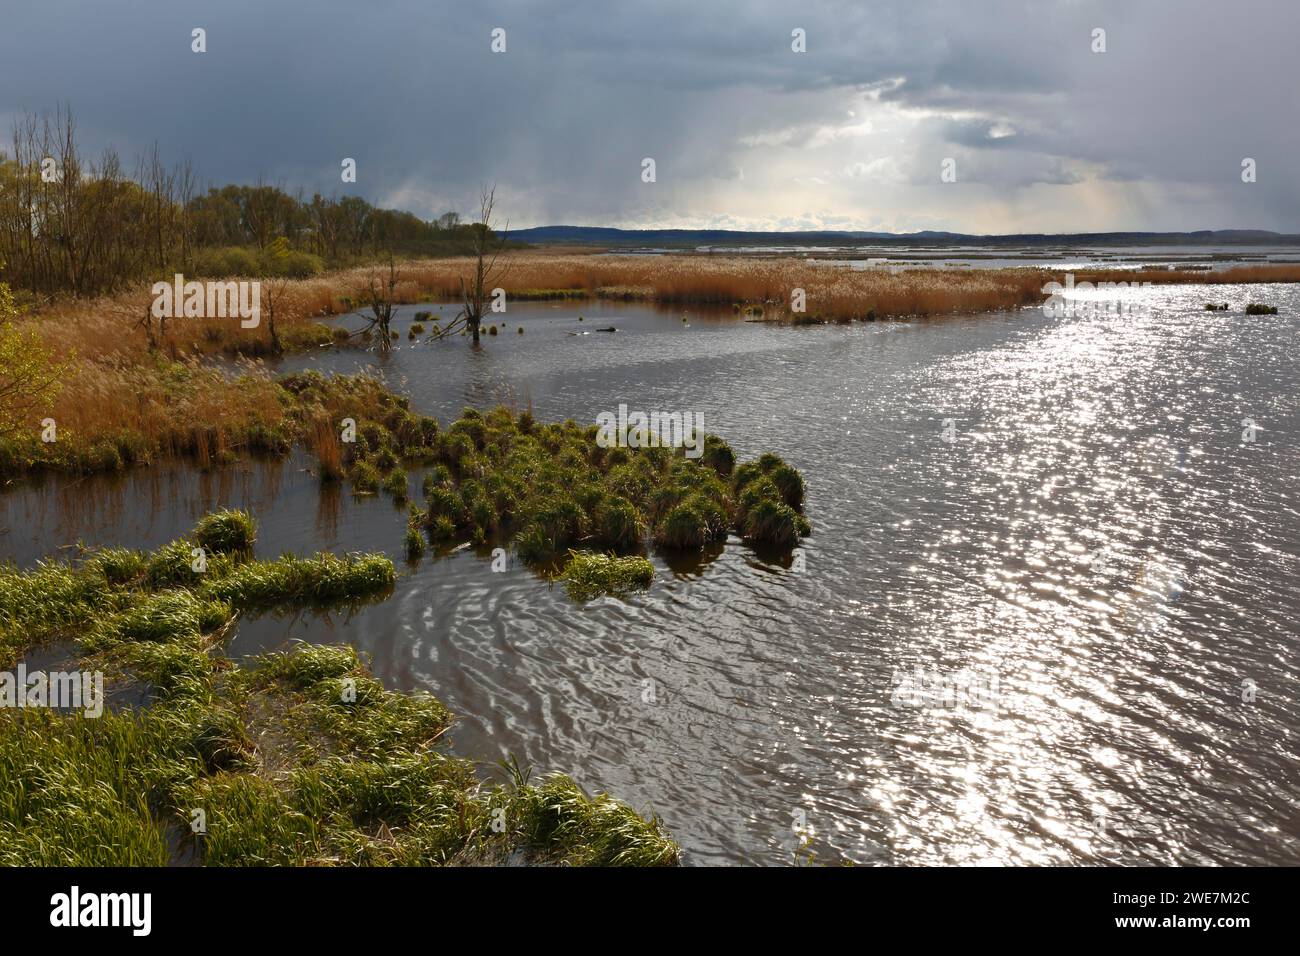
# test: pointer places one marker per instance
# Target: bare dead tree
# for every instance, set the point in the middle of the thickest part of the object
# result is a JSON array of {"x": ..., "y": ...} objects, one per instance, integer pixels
[
  {"x": 69, "y": 225},
  {"x": 273, "y": 291},
  {"x": 187, "y": 186},
  {"x": 379, "y": 294},
  {"x": 159, "y": 184},
  {"x": 487, "y": 248},
  {"x": 143, "y": 319}
]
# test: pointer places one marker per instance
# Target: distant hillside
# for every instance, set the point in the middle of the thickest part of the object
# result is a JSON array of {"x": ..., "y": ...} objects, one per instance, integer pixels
[{"x": 598, "y": 236}]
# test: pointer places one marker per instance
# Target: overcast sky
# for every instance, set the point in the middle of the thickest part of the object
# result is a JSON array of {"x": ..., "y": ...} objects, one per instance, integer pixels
[{"x": 1046, "y": 135}]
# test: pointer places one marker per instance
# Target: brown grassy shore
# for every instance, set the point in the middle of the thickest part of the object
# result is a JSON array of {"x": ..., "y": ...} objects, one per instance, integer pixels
[
  {"x": 110, "y": 328},
  {"x": 156, "y": 400}
]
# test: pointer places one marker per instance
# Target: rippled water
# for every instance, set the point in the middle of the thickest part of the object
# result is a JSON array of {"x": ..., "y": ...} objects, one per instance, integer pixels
[{"x": 1056, "y": 526}]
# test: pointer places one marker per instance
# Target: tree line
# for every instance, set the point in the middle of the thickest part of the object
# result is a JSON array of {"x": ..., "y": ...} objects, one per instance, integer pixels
[{"x": 72, "y": 224}]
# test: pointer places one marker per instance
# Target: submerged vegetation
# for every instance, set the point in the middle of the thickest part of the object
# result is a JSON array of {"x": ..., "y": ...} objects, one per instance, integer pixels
[
  {"x": 197, "y": 584},
  {"x": 295, "y": 758},
  {"x": 1252, "y": 308}
]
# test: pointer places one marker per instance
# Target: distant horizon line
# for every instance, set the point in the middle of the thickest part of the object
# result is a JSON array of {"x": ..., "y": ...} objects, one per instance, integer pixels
[{"x": 559, "y": 231}]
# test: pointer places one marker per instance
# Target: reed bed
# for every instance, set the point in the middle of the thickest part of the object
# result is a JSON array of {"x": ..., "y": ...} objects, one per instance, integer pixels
[
  {"x": 1236, "y": 275},
  {"x": 109, "y": 330},
  {"x": 112, "y": 415},
  {"x": 835, "y": 293},
  {"x": 832, "y": 292},
  {"x": 109, "y": 415},
  {"x": 123, "y": 401}
]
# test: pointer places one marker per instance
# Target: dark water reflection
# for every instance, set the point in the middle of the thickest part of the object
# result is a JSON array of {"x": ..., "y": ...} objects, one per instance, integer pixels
[{"x": 1096, "y": 543}]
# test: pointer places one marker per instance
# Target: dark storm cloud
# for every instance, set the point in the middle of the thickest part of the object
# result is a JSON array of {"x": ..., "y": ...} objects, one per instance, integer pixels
[{"x": 744, "y": 131}]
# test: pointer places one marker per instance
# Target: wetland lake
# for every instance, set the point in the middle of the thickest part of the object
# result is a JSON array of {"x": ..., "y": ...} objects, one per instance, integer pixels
[{"x": 1095, "y": 519}]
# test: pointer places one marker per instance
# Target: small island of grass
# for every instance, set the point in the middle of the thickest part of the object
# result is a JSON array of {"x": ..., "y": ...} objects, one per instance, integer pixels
[{"x": 588, "y": 575}]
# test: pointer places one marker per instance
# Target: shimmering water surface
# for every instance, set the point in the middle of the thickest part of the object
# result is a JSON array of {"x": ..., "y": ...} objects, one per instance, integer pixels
[
  {"x": 1065, "y": 257},
  {"x": 1058, "y": 527}
]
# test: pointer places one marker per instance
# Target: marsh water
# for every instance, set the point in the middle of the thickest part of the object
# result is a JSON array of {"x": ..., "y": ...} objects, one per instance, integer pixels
[
  {"x": 896, "y": 257},
  {"x": 1094, "y": 520}
]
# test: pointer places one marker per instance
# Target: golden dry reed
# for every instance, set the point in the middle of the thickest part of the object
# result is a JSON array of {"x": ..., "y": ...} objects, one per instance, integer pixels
[
  {"x": 112, "y": 327},
  {"x": 118, "y": 384}
]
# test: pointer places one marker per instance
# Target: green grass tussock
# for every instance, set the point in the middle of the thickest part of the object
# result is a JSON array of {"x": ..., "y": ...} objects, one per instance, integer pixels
[
  {"x": 324, "y": 579},
  {"x": 227, "y": 532},
  {"x": 552, "y": 489},
  {"x": 48, "y": 602},
  {"x": 293, "y": 758},
  {"x": 588, "y": 575}
]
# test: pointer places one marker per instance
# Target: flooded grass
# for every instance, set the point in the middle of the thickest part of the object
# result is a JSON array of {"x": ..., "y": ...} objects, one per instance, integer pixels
[
  {"x": 42, "y": 604},
  {"x": 303, "y": 758},
  {"x": 587, "y": 576},
  {"x": 293, "y": 758},
  {"x": 226, "y": 532},
  {"x": 552, "y": 488},
  {"x": 548, "y": 488}
]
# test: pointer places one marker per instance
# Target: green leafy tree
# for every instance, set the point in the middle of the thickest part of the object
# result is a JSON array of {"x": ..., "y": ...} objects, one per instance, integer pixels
[{"x": 29, "y": 376}]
